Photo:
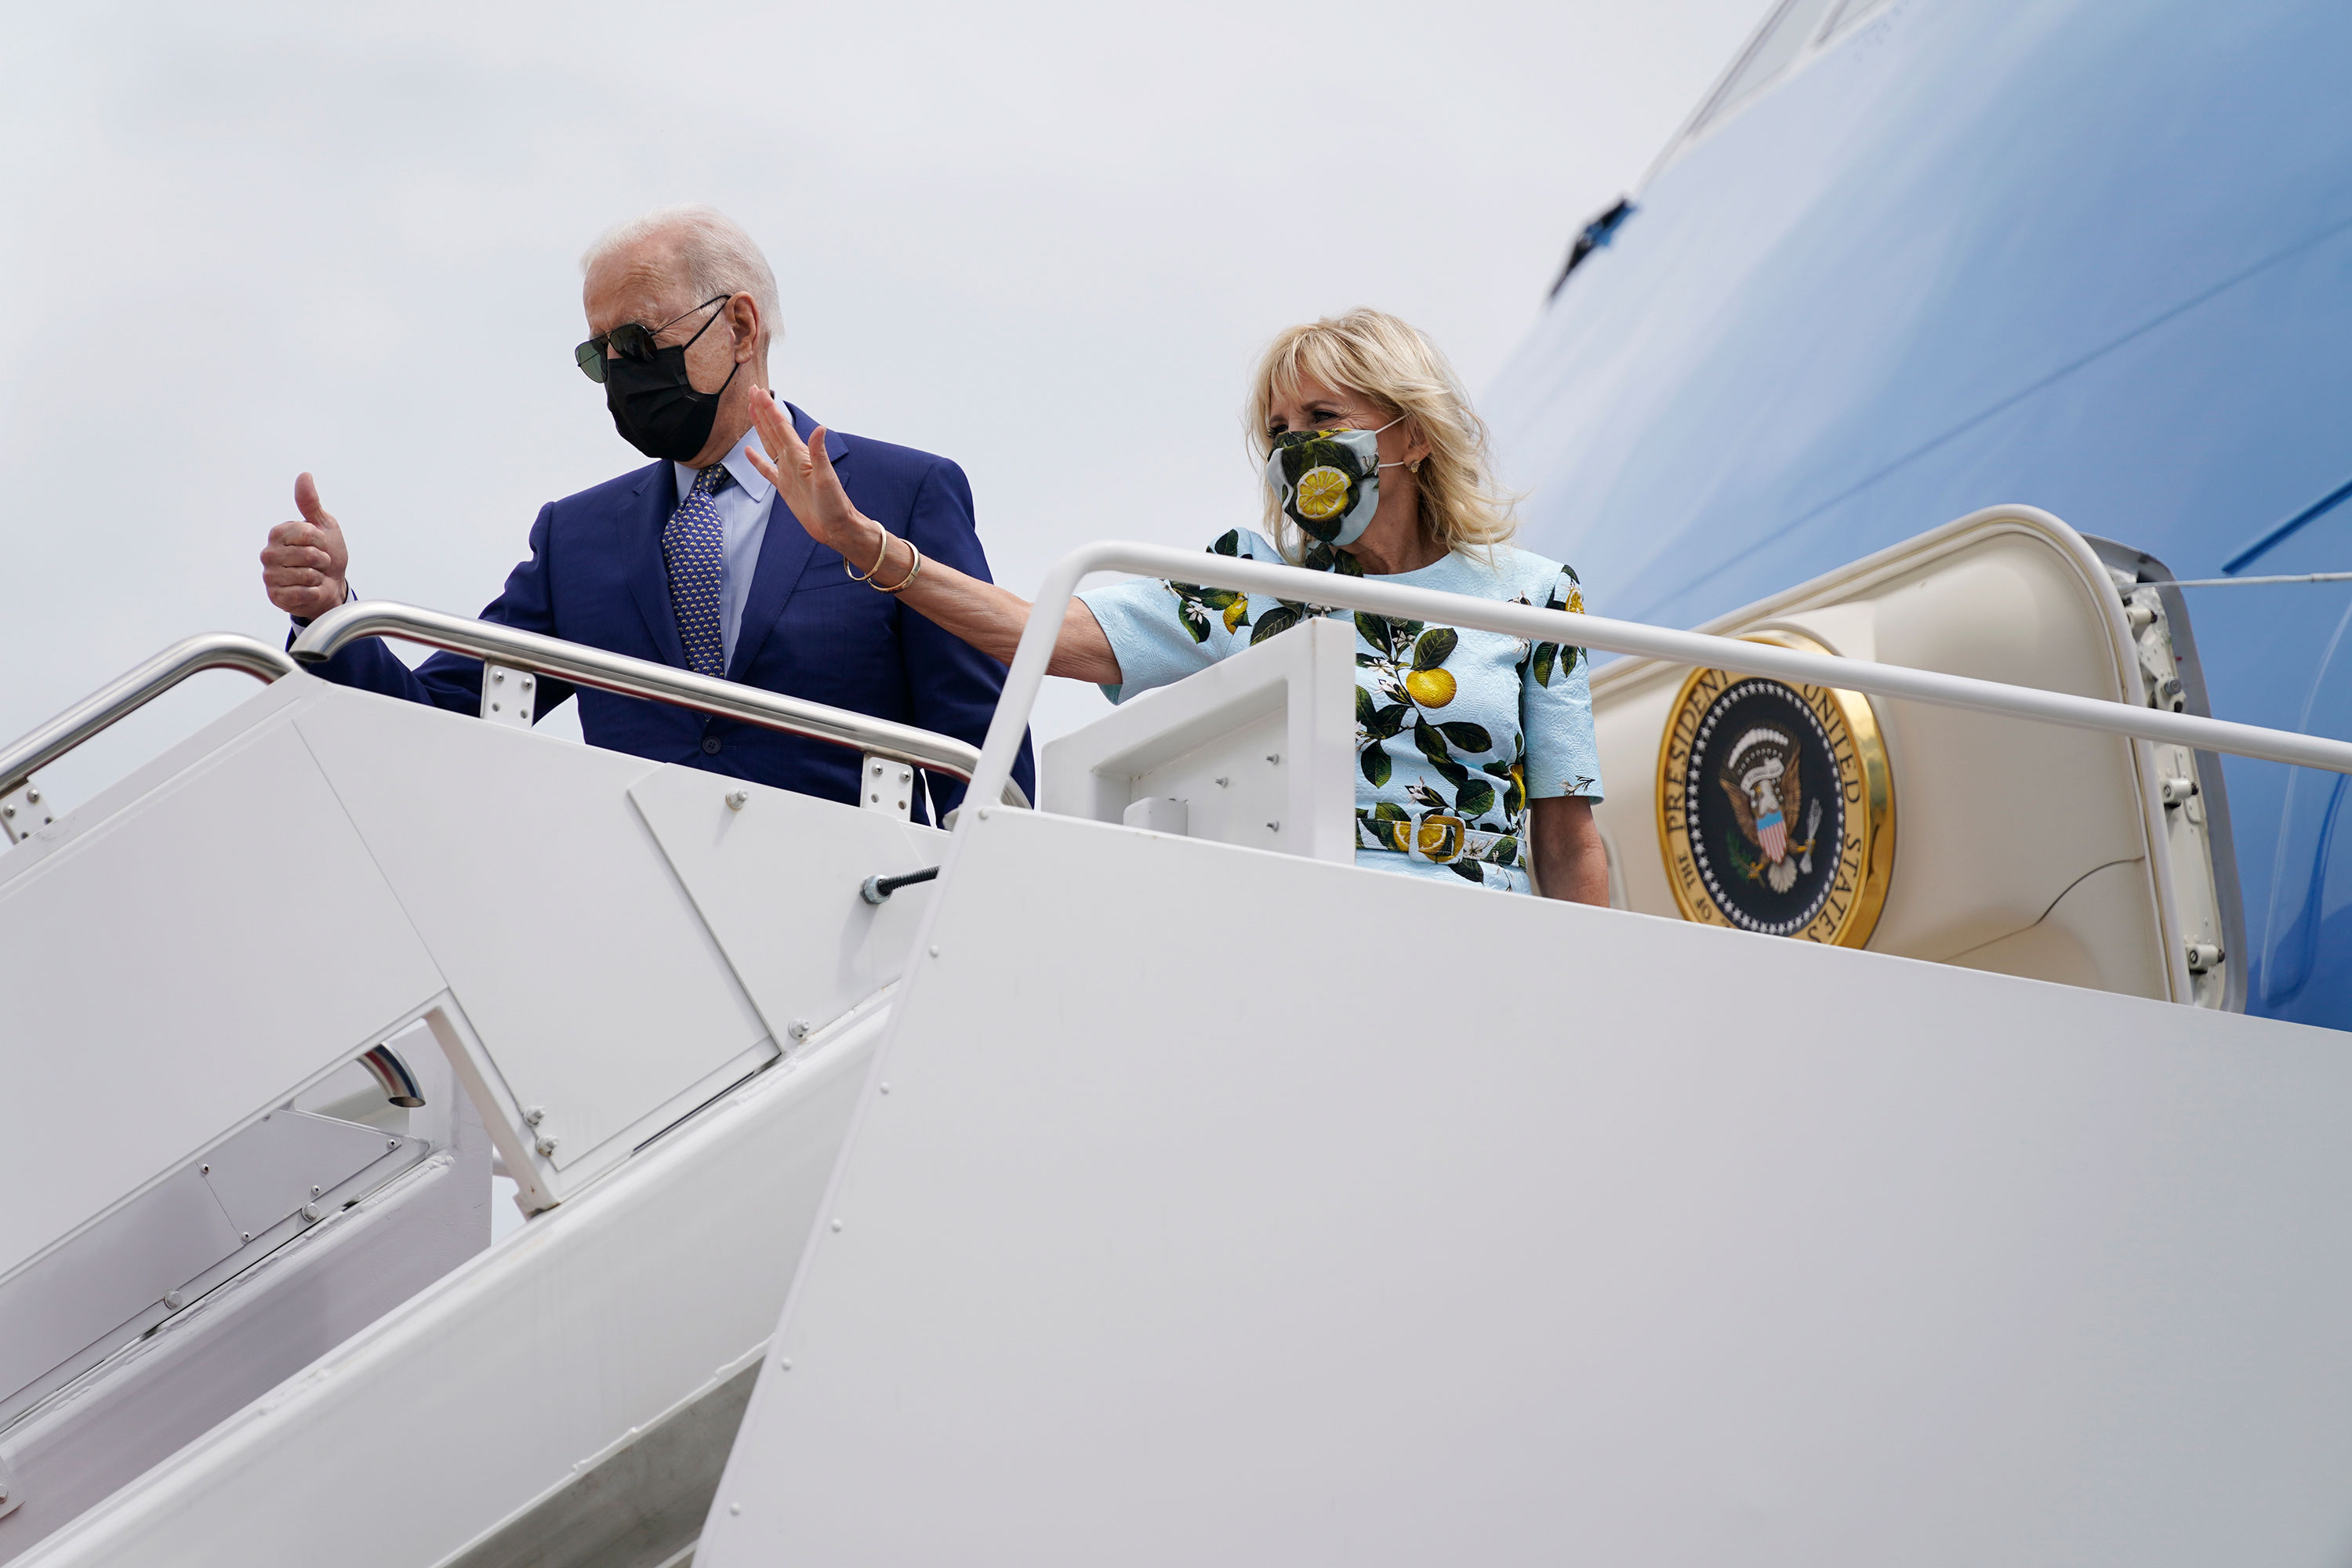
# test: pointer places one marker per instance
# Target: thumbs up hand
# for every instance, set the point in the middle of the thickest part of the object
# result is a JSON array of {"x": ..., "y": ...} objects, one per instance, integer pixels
[{"x": 303, "y": 564}]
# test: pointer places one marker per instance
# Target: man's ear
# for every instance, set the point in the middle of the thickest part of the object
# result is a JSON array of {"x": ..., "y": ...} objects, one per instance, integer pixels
[{"x": 744, "y": 319}]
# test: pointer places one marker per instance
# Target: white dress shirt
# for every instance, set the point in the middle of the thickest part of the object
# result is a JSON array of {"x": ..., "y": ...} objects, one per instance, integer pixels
[{"x": 743, "y": 509}]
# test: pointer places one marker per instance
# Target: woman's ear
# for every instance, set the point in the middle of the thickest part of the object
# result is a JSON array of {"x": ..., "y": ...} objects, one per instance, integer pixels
[{"x": 1416, "y": 446}]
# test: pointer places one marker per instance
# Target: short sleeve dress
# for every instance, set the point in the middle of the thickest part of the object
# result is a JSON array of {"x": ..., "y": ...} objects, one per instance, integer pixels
[{"x": 1456, "y": 730}]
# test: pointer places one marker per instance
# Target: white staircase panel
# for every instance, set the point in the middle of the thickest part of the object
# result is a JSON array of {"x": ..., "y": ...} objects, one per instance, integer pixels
[
  {"x": 1259, "y": 747},
  {"x": 582, "y": 969},
  {"x": 1441, "y": 1226},
  {"x": 498, "y": 1389},
  {"x": 133, "y": 1037},
  {"x": 808, "y": 949}
]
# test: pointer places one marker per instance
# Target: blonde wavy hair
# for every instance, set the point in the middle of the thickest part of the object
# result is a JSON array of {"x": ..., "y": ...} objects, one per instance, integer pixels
[{"x": 1375, "y": 355}]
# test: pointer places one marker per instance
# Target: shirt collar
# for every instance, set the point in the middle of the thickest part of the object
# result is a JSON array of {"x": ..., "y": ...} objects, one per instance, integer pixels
[{"x": 738, "y": 466}]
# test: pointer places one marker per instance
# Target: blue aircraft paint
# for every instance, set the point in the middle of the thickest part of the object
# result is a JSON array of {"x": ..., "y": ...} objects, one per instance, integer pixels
[{"x": 2090, "y": 256}]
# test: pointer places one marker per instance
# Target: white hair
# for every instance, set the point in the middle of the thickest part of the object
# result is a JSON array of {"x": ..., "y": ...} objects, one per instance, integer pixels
[{"x": 717, "y": 256}]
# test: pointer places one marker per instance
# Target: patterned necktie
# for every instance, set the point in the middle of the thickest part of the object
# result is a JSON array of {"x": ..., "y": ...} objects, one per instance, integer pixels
[{"x": 694, "y": 545}]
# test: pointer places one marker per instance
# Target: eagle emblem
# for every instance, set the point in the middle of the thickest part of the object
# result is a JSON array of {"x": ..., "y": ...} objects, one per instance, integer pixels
[
  {"x": 1775, "y": 808},
  {"x": 1766, "y": 792}
]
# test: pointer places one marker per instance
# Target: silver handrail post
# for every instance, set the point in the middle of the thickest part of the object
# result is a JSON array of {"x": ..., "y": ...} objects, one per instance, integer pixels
[
  {"x": 133, "y": 689},
  {"x": 583, "y": 666},
  {"x": 1035, "y": 652}
]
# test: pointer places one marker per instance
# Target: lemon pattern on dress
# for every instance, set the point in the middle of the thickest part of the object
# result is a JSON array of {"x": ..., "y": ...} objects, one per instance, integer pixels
[{"x": 1450, "y": 724}]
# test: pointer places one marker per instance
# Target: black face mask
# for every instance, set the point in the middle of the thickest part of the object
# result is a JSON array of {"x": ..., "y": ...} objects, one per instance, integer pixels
[{"x": 655, "y": 407}]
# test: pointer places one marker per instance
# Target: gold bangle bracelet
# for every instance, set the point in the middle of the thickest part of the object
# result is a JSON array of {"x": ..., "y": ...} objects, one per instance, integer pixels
[
  {"x": 908, "y": 581},
  {"x": 880, "y": 556}
]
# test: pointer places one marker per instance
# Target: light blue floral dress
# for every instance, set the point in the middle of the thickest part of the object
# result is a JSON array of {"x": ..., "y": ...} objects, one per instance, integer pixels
[{"x": 1456, "y": 730}]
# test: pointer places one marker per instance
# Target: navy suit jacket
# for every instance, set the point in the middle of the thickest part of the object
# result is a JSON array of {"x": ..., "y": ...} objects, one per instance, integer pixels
[{"x": 596, "y": 577}]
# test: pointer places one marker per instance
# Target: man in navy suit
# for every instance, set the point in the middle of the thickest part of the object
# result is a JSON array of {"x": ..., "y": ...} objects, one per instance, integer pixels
[{"x": 693, "y": 561}]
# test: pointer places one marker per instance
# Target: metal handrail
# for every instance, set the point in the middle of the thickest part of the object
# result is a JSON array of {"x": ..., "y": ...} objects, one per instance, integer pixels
[
  {"x": 1322, "y": 588},
  {"x": 592, "y": 666},
  {"x": 133, "y": 689}
]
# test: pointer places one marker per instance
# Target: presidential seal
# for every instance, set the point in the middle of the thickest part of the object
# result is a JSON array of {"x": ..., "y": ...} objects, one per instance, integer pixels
[{"x": 1775, "y": 811}]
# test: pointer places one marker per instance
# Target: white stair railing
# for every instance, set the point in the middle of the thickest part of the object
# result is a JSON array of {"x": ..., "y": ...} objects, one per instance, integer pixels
[{"x": 1596, "y": 632}]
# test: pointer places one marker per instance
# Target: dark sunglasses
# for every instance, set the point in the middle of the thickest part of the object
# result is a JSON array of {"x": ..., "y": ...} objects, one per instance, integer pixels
[{"x": 634, "y": 341}]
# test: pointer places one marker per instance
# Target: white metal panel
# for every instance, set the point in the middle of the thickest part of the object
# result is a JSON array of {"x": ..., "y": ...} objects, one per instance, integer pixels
[
  {"x": 427, "y": 1431},
  {"x": 1260, "y": 748},
  {"x": 174, "y": 955},
  {"x": 776, "y": 877},
  {"x": 115, "y": 1269},
  {"x": 1451, "y": 1226},
  {"x": 201, "y": 1365},
  {"x": 576, "y": 957}
]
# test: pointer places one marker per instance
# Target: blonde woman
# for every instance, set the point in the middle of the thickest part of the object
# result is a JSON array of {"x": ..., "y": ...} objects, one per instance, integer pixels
[{"x": 1474, "y": 750}]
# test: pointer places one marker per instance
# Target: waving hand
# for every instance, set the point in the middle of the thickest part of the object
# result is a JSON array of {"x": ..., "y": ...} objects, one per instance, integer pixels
[{"x": 804, "y": 477}]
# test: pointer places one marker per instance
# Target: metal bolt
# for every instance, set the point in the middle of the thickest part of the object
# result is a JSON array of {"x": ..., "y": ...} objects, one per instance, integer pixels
[
  {"x": 391, "y": 1143},
  {"x": 313, "y": 1213},
  {"x": 533, "y": 1115},
  {"x": 498, "y": 677},
  {"x": 738, "y": 799},
  {"x": 494, "y": 707},
  {"x": 837, "y": 1224},
  {"x": 315, "y": 1191},
  {"x": 878, "y": 770},
  {"x": 172, "y": 1298},
  {"x": 935, "y": 950},
  {"x": 785, "y": 1364},
  {"x": 798, "y": 1028},
  {"x": 546, "y": 1146},
  {"x": 734, "y": 1507},
  {"x": 1275, "y": 757},
  {"x": 983, "y": 814},
  {"x": 203, "y": 1170},
  {"x": 886, "y": 1089},
  {"x": 248, "y": 1234}
]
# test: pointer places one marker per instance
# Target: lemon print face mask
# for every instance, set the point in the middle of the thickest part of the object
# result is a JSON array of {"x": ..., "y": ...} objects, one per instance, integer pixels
[{"x": 1329, "y": 482}]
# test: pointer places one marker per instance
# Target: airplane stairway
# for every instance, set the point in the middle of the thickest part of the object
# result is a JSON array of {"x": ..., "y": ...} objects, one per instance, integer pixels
[
  {"x": 1153, "y": 1184},
  {"x": 660, "y": 982}
]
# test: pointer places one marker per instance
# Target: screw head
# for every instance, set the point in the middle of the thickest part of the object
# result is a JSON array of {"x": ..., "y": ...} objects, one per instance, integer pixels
[
  {"x": 533, "y": 1115},
  {"x": 545, "y": 1146},
  {"x": 391, "y": 1143}
]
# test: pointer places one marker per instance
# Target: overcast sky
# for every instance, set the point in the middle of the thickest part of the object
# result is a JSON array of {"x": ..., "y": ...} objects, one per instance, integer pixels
[{"x": 1047, "y": 242}]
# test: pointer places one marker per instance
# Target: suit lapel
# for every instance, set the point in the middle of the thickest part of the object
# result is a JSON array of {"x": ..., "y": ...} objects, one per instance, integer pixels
[
  {"x": 784, "y": 552},
  {"x": 641, "y": 532}
]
